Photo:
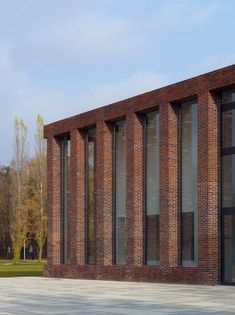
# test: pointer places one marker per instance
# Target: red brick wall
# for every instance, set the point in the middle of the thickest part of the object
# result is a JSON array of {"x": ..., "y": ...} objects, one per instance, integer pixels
[
  {"x": 53, "y": 204},
  {"x": 169, "y": 192},
  {"x": 209, "y": 188},
  {"x": 205, "y": 89}
]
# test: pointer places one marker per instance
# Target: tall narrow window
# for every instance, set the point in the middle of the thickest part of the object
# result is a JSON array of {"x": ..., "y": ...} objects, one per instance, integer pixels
[
  {"x": 228, "y": 185},
  {"x": 120, "y": 192},
  {"x": 90, "y": 197},
  {"x": 152, "y": 201},
  {"x": 65, "y": 235},
  {"x": 189, "y": 180}
]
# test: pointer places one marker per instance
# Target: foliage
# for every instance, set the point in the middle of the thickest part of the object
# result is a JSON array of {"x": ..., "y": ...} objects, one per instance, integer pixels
[
  {"x": 4, "y": 208},
  {"x": 23, "y": 193},
  {"x": 40, "y": 175},
  {"x": 22, "y": 268},
  {"x": 19, "y": 189}
]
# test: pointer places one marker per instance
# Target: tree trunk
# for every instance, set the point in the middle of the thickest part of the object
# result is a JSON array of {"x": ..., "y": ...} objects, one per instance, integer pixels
[
  {"x": 40, "y": 252},
  {"x": 16, "y": 253}
]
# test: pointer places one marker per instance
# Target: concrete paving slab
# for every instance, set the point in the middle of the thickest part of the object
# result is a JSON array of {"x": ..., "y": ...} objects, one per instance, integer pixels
[{"x": 28, "y": 296}]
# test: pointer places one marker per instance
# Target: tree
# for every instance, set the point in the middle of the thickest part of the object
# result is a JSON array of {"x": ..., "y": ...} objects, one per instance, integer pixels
[
  {"x": 19, "y": 189},
  {"x": 41, "y": 186},
  {"x": 4, "y": 209}
]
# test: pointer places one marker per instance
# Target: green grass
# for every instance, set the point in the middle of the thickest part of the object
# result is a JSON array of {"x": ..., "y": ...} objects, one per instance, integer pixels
[{"x": 22, "y": 269}]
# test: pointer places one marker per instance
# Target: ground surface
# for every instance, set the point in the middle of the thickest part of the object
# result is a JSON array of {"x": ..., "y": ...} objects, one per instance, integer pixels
[
  {"x": 26, "y": 296},
  {"x": 23, "y": 268}
]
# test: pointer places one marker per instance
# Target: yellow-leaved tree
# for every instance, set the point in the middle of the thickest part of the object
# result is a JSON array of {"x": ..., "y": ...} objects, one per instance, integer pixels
[
  {"x": 41, "y": 186},
  {"x": 19, "y": 189}
]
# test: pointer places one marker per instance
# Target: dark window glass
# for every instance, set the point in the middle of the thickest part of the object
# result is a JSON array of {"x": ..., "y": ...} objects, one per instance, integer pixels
[
  {"x": 228, "y": 185},
  {"x": 152, "y": 189},
  {"x": 228, "y": 181},
  {"x": 228, "y": 96},
  {"x": 65, "y": 166},
  {"x": 228, "y": 124},
  {"x": 189, "y": 169},
  {"x": 120, "y": 192},
  {"x": 229, "y": 247},
  {"x": 90, "y": 184}
]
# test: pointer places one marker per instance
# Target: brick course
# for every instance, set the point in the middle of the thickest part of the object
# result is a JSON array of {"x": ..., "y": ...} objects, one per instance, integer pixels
[{"x": 206, "y": 89}]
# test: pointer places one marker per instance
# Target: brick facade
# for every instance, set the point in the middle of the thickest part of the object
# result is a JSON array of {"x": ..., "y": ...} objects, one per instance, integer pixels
[{"x": 206, "y": 89}]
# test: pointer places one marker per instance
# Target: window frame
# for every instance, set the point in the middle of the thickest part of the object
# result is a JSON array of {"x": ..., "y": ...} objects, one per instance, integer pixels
[
  {"x": 87, "y": 262},
  {"x": 145, "y": 118},
  {"x": 224, "y": 107},
  {"x": 225, "y": 151},
  {"x": 184, "y": 262},
  {"x": 64, "y": 185},
  {"x": 114, "y": 212}
]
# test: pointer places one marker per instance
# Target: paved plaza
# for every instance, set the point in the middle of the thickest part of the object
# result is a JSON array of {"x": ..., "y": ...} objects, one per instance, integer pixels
[{"x": 24, "y": 296}]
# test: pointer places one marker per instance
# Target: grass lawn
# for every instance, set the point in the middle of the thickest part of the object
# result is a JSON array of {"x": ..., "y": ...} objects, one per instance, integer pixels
[{"x": 21, "y": 269}]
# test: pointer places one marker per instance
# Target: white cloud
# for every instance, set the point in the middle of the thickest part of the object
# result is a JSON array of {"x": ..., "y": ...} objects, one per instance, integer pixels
[
  {"x": 11, "y": 76},
  {"x": 212, "y": 62},
  {"x": 27, "y": 103},
  {"x": 46, "y": 42},
  {"x": 4, "y": 59},
  {"x": 184, "y": 13},
  {"x": 55, "y": 105},
  {"x": 137, "y": 83},
  {"x": 79, "y": 39}
]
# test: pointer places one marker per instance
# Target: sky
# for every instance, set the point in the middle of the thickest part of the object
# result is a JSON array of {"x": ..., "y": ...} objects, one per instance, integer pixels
[{"x": 63, "y": 57}]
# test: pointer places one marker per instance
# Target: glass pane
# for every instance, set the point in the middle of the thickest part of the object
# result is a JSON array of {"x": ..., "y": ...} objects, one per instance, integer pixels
[
  {"x": 229, "y": 248},
  {"x": 189, "y": 168},
  {"x": 120, "y": 186},
  {"x": 228, "y": 96},
  {"x": 152, "y": 189},
  {"x": 68, "y": 193},
  {"x": 91, "y": 197},
  {"x": 65, "y": 166},
  {"x": 188, "y": 236},
  {"x": 228, "y": 124},
  {"x": 228, "y": 181}
]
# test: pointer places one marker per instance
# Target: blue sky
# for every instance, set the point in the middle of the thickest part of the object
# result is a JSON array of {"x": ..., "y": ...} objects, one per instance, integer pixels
[{"x": 60, "y": 58}]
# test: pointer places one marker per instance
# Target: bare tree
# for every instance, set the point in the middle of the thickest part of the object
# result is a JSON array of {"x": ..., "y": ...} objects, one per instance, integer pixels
[
  {"x": 19, "y": 189},
  {"x": 41, "y": 186}
]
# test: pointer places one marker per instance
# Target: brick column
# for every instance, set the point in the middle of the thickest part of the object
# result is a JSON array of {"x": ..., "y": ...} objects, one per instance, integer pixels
[
  {"x": 77, "y": 197},
  {"x": 77, "y": 202},
  {"x": 169, "y": 209},
  {"x": 104, "y": 196},
  {"x": 208, "y": 186},
  {"x": 53, "y": 201},
  {"x": 135, "y": 190}
]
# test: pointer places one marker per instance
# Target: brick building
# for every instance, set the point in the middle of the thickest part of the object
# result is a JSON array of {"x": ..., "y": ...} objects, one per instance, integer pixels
[{"x": 144, "y": 189}]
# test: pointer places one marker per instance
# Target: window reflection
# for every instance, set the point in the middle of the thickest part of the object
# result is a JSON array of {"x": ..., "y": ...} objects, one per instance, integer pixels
[
  {"x": 152, "y": 189},
  {"x": 120, "y": 192},
  {"x": 228, "y": 181},
  {"x": 228, "y": 96},
  {"x": 228, "y": 125},
  {"x": 229, "y": 247},
  {"x": 65, "y": 166},
  {"x": 189, "y": 169},
  {"x": 90, "y": 184},
  {"x": 228, "y": 185}
]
